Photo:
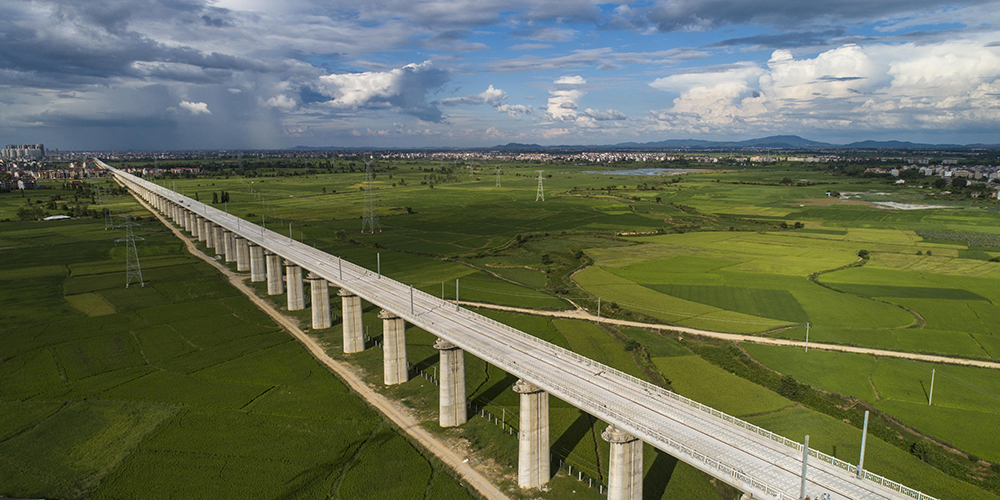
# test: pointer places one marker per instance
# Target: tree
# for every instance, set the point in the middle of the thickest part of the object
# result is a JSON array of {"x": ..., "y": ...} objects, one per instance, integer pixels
[
  {"x": 215, "y": 198},
  {"x": 864, "y": 254},
  {"x": 787, "y": 181},
  {"x": 959, "y": 183},
  {"x": 940, "y": 183}
]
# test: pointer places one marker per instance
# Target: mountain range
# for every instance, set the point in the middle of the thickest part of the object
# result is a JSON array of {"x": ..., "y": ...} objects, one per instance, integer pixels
[{"x": 770, "y": 142}]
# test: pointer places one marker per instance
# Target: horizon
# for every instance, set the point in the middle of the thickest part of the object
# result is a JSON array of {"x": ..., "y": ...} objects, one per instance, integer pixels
[{"x": 242, "y": 74}]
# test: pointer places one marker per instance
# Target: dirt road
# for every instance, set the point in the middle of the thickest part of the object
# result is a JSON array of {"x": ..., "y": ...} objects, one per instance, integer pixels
[
  {"x": 586, "y": 316},
  {"x": 383, "y": 404}
]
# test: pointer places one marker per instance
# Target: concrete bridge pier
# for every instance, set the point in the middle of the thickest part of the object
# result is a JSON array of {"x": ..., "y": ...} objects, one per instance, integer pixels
[
  {"x": 625, "y": 467},
  {"x": 199, "y": 225},
  {"x": 275, "y": 284},
  {"x": 350, "y": 307},
  {"x": 394, "y": 349},
  {"x": 533, "y": 438},
  {"x": 220, "y": 239},
  {"x": 451, "y": 402},
  {"x": 209, "y": 230},
  {"x": 186, "y": 220},
  {"x": 190, "y": 224},
  {"x": 296, "y": 294},
  {"x": 258, "y": 269},
  {"x": 229, "y": 244},
  {"x": 320, "y": 294},
  {"x": 242, "y": 253}
]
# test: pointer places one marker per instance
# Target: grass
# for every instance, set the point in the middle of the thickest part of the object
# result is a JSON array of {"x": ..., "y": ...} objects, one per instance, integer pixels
[
  {"x": 180, "y": 388},
  {"x": 749, "y": 279},
  {"x": 964, "y": 397}
]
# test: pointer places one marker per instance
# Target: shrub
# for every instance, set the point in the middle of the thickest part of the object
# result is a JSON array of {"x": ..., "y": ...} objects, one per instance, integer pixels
[{"x": 921, "y": 450}]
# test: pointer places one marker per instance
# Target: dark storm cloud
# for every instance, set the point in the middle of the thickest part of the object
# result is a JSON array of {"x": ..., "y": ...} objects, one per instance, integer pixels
[
  {"x": 76, "y": 43},
  {"x": 785, "y": 40},
  {"x": 675, "y": 15}
]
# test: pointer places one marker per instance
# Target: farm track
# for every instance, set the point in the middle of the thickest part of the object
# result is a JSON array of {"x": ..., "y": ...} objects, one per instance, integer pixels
[
  {"x": 583, "y": 315},
  {"x": 391, "y": 410}
]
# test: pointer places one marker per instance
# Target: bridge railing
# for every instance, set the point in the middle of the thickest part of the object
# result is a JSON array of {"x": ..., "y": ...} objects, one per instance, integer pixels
[
  {"x": 652, "y": 389},
  {"x": 655, "y": 389}
]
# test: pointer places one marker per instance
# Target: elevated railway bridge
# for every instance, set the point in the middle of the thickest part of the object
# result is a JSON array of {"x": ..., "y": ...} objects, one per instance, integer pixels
[{"x": 754, "y": 460}]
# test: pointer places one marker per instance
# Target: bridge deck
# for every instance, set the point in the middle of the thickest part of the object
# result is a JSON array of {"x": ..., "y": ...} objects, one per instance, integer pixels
[{"x": 749, "y": 458}]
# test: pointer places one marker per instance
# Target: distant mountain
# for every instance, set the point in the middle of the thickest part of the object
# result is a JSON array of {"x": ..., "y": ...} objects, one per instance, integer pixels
[
  {"x": 774, "y": 141},
  {"x": 519, "y": 147},
  {"x": 898, "y": 145}
]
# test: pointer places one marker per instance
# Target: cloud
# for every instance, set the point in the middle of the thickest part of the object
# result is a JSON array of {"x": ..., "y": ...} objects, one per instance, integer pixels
[
  {"x": 901, "y": 87},
  {"x": 491, "y": 96},
  {"x": 563, "y": 97},
  {"x": 609, "y": 115},
  {"x": 603, "y": 58},
  {"x": 676, "y": 15},
  {"x": 402, "y": 89},
  {"x": 494, "y": 97},
  {"x": 282, "y": 101},
  {"x": 195, "y": 108}
]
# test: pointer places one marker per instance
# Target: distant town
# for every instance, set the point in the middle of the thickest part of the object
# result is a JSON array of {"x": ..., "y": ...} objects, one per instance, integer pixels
[{"x": 30, "y": 166}]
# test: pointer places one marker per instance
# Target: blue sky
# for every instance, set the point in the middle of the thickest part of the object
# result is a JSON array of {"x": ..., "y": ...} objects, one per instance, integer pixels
[{"x": 195, "y": 74}]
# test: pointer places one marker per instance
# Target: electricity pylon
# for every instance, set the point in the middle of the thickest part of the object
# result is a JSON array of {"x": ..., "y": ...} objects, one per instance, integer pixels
[
  {"x": 370, "y": 217},
  {"x": 540, "y": 194},
  {"x": 132, "y": 269}
]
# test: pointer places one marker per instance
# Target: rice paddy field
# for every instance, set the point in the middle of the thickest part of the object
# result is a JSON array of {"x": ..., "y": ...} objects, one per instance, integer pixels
[
  {"x": 714, "y": 249},
  {"x": 177, "y": 389}
]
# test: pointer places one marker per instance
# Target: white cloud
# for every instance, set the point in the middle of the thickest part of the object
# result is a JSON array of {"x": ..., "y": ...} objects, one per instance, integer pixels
[
  {"x": 281, "y": 101},
  {"x": 195, "y": 108},
  {"x": 402, "y": 89},
  {"x": 491, "y": 96},
  {"x": 494, "y": 97},
  {"x": 904, "y": 86},
  {"x": 563, "y": 98}
]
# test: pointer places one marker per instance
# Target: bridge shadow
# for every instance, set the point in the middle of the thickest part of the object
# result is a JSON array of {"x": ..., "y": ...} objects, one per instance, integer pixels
[
  {"x": 495, "y": 390},
  {"x": 571, "y": 437},
  {"x": 427, "y": 362},
  {"x": 654, "y": 483}
]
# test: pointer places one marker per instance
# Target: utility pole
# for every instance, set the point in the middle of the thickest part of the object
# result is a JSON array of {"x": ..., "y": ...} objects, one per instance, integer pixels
[
  {"x": 805, "y": 466},
  {"x": 930, "y": 396},
  {"x": 540, "y": 194},
  {"x": 864, "y": 436},
  {"x": 807, "y": 337}
]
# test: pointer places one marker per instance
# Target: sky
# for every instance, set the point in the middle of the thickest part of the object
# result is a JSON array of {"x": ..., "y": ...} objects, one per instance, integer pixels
[{"x": 256, "y": 74}]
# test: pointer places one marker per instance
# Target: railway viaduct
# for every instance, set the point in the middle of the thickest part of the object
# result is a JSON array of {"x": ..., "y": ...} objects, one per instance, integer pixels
[{"x": 754, "y": 460}]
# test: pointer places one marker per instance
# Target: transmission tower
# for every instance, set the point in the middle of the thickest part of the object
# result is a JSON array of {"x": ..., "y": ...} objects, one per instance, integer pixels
[
  {"x": 498, "y": 176},
  {"x": 370, "y": 217},
  {"x": 132, "y": 269},
  {"x": 540, "y": 194}
]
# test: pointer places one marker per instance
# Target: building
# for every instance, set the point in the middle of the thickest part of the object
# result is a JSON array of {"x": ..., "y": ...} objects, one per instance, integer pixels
[{"x": 23, "y": 151}]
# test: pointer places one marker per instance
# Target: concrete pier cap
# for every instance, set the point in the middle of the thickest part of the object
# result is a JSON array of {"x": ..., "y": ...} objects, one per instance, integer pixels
[{"x": 625, "y": 464}]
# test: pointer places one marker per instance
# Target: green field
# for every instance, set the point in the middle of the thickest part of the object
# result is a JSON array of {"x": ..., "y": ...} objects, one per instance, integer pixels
[
  {"x": 714, "y": 250},
  {"x": 179, "y": 388}
]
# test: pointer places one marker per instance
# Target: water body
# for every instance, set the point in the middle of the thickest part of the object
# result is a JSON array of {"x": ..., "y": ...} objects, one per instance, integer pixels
[{"x": 643, "y": 171}]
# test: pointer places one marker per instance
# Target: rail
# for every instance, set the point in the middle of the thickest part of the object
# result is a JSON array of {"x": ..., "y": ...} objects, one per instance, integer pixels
[{"x": 620, "y": 415}]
